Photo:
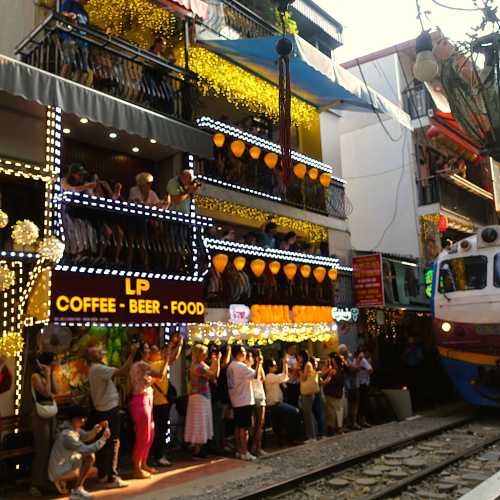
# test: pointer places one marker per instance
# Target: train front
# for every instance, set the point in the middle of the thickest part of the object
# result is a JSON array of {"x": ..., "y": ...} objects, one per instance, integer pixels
[{"x": 466, "y": 304}]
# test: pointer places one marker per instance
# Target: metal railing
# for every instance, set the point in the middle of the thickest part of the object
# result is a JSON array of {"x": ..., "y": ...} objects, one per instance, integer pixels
[
  {"x": 417, "y": 102},
  {"x": 114, "y": 66},
  {"x": 245, "y": 21},
  {"x": 436, "y": 189}
]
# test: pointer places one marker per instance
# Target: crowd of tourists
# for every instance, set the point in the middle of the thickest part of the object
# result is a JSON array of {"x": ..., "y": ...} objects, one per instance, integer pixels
[{"x": 233, "y": 388}]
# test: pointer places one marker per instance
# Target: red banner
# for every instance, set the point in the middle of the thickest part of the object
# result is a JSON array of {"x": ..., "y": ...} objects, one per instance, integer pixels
[{"x": 367, "y": 280}]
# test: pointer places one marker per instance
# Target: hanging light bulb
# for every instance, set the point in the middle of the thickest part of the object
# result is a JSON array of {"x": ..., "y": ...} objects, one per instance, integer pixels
[{"x": 426, "y": 68}]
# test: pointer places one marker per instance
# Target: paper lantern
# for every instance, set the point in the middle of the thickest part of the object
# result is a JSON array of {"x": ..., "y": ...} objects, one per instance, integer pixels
[
  {"x": 274, "y": 267},
  {"x": 305, "y": 271},
  {"x": 7, "y": 277},
  {"x": 271, "y": 160},
  {"x": 313, "y": 174},
  {"x": 25, "y": 232},
  {"x": 219, "y": 139},
  {"x": 333, "y": 274},
  {"x": 258, "y": 266},
  {"x": 238, "y": 148},
  {"x": 255, "y": 152},
  {"x": 51, "y": 249},
  {"x": 325, "y": 180},
  {"x": 220, "y": 261},
  {"x": 4, "y": 219},
  {"x": 443, "y": 223},
  {"x": 290, "y": 271},
  {"x": 300, "y": 170},
  {"x": 239, "y": 263},
  {"x": 319, "y": 274}
]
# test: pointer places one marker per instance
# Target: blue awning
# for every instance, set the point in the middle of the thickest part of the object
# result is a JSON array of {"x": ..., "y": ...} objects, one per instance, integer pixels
[{"x": 315, "y": 77}]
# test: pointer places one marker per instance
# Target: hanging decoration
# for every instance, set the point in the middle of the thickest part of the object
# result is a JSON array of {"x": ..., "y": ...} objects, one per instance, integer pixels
[
  {"x": 238, "y": 148},
  {"x": 319, "y": 274},
  {"x": 255, "y": 152},
  {"x": 52, "y": 249},
  {"x": 313, "y": 173},
  {"x": 274, "y": 267},
  {"x": 4, "y": 219},
  {"x": 218, "y": 77},
  {"x": 325, "y": 180},
  {"x": 11, "y": 344},
  {"x": 219, "y": 139},
  {"x": 258, "y": 266},
  {"x": 305, "y": 271},
  {"x": 271, "y": 160},
  {"x": 300, "y": 170},
  {"x": 7, "y": 277},
  {"x": 219, "y": 262},
  {"x": 25, "y": 232},
  {"x": 443, "y": 223},
  {"x": 239, "y": 263},
  {"x": 333, "y": 274},
  {"x": 290, "y": 271}
]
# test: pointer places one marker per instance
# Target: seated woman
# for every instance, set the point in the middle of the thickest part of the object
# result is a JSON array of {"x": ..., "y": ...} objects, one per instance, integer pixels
[
  {"x": 71, "y": 459},
  {"x": 286, "y": 419}
]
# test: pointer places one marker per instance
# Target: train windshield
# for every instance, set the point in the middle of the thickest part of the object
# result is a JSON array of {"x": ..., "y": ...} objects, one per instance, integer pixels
[
  {"x": 496, "y": 271},
  {"x": 462, "y": 274}
]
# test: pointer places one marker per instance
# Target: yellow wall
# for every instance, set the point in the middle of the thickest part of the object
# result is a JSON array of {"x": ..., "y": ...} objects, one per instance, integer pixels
[{"x": 310, "y": 139}]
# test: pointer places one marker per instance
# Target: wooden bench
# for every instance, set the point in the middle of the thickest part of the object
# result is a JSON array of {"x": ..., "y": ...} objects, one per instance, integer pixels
[{"x": 8, "y": 425}]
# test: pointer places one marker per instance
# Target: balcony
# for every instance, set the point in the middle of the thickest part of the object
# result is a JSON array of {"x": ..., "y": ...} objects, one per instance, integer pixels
[
  {"x": 438, "y": 189},
  {"x": 417, "y": 102},
  {"x": 109, "y": 65},
  {"x": 256, "y": 275},
  {"x": 248, "y": 172}
]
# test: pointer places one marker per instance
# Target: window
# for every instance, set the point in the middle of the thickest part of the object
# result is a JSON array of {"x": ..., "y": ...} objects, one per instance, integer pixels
[
  {"x": 462, "y": 274},
  {"x": 496, "y": 271}
]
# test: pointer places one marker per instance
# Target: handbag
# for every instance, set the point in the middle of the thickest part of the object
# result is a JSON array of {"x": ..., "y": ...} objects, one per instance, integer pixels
[
  {"x": 44, "y": 410},
  {"x": 309, "y": 387}
]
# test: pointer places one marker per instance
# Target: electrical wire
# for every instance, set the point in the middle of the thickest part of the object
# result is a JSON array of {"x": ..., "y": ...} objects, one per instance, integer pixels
[
  {"x": 373, "y": 175},
  {"x": 461, "y": 9},
  {"x": 419, "y": 15}
]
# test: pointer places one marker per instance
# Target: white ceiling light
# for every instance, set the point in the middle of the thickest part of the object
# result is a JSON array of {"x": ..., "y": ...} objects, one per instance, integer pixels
[
  {"x": 113, "y": 135},
  {"x": 153, "y": 141},
  {"x": 84, "y": 120},
  {"x": 66, "y": 131},
  {"x": 135, "y": 149}
]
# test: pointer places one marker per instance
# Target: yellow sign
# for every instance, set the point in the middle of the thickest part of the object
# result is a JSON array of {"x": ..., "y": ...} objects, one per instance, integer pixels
[{"x": 268, "y": 314}]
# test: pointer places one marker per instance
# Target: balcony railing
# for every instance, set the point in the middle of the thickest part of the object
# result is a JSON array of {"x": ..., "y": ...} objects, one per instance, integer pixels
[
  {"x": 417, "y": 102},
  {"x": 251, "y": 175},
  {"x": 436, "y": 189},
  {"x": 87, "y": 55},
  {"x": 117, "y": 237}
]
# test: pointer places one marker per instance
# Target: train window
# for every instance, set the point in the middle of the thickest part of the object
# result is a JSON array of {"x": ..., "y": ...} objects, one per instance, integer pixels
[
  {"x": 496, "y": 271},
  {"x": 462, "y": 274}
]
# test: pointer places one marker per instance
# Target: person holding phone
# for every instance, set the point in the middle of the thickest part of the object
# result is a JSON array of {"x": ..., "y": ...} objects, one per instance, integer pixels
[{"x": 73, "y": 454}]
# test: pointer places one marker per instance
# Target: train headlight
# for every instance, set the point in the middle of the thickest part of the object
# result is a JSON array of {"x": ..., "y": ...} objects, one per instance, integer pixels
[
  {"x": 489, "y": 235},
  {"x": 446, "y": 327}
]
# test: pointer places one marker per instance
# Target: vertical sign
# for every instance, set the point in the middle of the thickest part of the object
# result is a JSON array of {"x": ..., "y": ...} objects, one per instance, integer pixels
[
  {"x": 367, "y": 280},
  {"x": 495, "y": 178}
]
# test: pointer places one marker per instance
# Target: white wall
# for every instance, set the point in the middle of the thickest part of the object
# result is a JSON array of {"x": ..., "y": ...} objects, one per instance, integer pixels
[
  {"x": 16, "y": 22},
  {"x": 367, "y": 154}
]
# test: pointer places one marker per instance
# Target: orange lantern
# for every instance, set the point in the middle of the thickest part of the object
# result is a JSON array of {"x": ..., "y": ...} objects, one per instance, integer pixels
[
  {"x": 290, "y": 271},
  {"x": 219, "y": 139},
  {"x": 443, "y": 223},
  {"x": 258, "y": 266},
  {"x": 300, "y": 170},
  {"x": 313, "y": 174},
  {"x": 305, "y": 271},
  {"x": 238, "y": 148},
  {"x": 220, "y": 261},
  {"x": 271, "y": 160},
  {"x": 239, "y": 263},
  {"x": 274, "y": 267},
  {"x": 255, "y": 152},
  {"x": 332, "y": 274},
  {"x": 319, "y": 274},
  {"x": 325, "y": 180}
]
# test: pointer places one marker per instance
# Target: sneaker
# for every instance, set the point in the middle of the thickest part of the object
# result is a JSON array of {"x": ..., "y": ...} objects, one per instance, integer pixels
[
  {"x": 117, "y": 482},
  {"x": 261, "y": 453},
  {"x": 248, "y": 457},
  {"x": 80, "y": 493},
  {"x": 164, "y": 462}
]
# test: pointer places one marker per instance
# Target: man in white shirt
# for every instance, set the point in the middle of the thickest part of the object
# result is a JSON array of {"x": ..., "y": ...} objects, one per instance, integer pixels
[{"x": 239, "y": 383}]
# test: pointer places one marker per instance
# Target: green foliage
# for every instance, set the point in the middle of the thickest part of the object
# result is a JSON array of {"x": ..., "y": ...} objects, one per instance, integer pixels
[{"x": 268, "y": 11}]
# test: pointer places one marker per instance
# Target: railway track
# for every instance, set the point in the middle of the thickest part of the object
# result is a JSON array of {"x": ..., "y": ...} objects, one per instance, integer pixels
[{"x": 398, "y": 470}]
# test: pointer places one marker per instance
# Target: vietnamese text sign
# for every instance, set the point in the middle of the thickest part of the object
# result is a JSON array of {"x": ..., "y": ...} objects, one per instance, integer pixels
[
  {"x": 78, "y": 297},
  {"x": 284, "y": 315},
  {"x": 367, "y": 280}
]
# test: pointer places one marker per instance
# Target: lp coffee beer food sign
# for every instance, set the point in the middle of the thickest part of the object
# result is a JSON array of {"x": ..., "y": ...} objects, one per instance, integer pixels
[{"x": 79, "y": 297}]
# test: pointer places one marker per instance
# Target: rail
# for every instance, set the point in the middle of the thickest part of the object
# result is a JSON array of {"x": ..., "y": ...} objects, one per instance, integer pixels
[{"x": 89, "y": 56}]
